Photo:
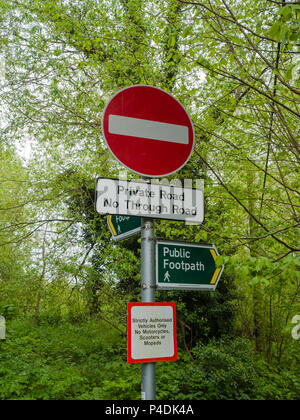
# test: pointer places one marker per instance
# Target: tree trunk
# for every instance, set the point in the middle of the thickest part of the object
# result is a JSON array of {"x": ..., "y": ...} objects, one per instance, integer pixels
[{"x": 257, "y": 296}]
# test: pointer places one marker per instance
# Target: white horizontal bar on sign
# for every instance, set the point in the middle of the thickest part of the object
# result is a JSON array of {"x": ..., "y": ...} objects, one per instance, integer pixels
[{"x": 147, "y": 129}]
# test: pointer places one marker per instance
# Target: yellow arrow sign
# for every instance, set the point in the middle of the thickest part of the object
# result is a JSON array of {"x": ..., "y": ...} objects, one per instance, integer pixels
[{"x": 217, "y": 272}]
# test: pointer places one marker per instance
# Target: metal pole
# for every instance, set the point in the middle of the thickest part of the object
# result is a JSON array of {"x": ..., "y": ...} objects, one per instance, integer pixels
[{"x": 148, "y": 295}]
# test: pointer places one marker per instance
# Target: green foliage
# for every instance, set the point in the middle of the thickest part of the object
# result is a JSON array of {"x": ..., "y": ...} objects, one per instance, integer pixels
[
  {"x": 234, "y": 66},
  {"x": 87, "y": 361},
  {"x": 287, "y": 26},
  {"x": 203, "y": 315},
  {"x": 227, "y": 369},
  {"x": 56, "y": 362},
  {"x": 7, "y": 310}
]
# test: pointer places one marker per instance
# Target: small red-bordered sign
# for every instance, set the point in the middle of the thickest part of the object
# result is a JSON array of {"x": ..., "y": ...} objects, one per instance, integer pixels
[{"x": 151, "y": 332}]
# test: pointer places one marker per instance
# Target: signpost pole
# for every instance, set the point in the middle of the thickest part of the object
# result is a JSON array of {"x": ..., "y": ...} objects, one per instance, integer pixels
[{"x": 148, "y": 295}]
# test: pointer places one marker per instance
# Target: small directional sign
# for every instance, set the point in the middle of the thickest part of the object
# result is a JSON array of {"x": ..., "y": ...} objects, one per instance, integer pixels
[
  {"x": 186, "y": 266},
  {"x": 123, "y": 227}
]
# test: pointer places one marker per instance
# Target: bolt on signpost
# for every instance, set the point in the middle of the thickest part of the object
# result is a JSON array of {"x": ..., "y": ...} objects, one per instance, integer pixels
[{"x": 150, "y": 133}]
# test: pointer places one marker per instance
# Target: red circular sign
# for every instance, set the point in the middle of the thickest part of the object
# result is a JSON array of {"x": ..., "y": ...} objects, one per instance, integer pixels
[{"x": 148, "y": 131}]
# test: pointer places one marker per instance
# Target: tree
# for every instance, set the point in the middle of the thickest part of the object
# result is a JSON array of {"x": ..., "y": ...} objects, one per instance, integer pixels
[
  {"x": 233, "y": 65},
  {"x": 250, "y": 114},
  {"x": 14, "y": 256}
]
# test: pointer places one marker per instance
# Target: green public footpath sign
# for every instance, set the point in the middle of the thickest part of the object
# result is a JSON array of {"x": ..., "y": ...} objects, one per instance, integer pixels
[
  {"x": 123, "y": 227},
  {"x": 186, "y": 266}
]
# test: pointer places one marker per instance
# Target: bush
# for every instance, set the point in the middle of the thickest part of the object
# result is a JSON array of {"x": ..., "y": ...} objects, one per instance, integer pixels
[
  {"x": 227, "y": 369},
  {"x": 88, "y": 361},
  {"x": 7, "y": 310},
  {"x": 54, "y": 362},
  {"x": 220, "y": 370}
]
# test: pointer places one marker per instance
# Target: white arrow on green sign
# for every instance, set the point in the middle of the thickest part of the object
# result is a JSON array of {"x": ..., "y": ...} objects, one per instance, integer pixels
[
  {"x": 123, "y": 227},
  {"x": 186, "y": 266}
]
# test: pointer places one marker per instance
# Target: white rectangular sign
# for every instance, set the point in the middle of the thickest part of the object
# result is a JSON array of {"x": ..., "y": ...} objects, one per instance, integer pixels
[
  {"x": 142, "y": 199},
  {"x": 151, "y": 332}
]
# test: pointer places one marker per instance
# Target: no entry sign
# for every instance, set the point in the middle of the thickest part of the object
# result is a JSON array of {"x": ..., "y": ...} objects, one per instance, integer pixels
[
  {"x": 148, "y": 131},
  {"x": 151, "y": 332}
]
